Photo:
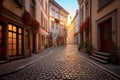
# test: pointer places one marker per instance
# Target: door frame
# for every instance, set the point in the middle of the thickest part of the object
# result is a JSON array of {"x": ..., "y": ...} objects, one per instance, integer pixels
[
  {"x": 105, "y": 43},
  {"x": 113, "y": 16}
]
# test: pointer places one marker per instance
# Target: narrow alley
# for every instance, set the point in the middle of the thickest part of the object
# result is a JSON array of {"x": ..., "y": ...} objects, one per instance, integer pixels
[
  {"x": 59, "y": 40},
  {"x": 62, "y": 63}
]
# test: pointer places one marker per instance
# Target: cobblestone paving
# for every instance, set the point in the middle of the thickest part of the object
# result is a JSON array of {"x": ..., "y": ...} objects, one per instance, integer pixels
[{"x": 63, "y": 64}]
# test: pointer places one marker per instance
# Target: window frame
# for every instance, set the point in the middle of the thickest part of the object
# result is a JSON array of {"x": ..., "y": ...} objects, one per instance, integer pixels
[
  {"x": 103, "y": 3},
  {"x": 52, "y": 12},
  {"x": 12, "y": 43},
  {"x": 52, "y": 24},
  {"x": 32, "y": 8},
  {"x": 20, "y": 3},
  {"x": 87, "y": 9}
]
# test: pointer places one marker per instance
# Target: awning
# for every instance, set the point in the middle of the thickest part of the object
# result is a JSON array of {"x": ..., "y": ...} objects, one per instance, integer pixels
[{"x": 43, "y": 32}]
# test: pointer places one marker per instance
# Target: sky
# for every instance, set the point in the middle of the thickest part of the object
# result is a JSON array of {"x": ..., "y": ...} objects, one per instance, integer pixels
[{"x": 69, "y": 5}]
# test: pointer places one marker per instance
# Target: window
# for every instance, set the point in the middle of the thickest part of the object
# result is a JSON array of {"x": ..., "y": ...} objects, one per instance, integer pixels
[
  {"x": 41, "y": 18},
  {"x": 14, "y": 40},
  {"x": 32, "y": 7},
  {"x": 19, "y": 3},
  {"x": 82, "y": 14},
  {"x": 46, "y": 7},
  {"x": 27, "y": 39},
  {"x": 102, "y": 3},
  {"x": 57, "y": 15},
  {"x": 87, "y": 9},
  {"x": 57, "y": 26},
  {"x": 53, "y": 12},
  {"x": 52, "y": 24},
  {"x": 62, "y": 17},
  {"x": 44, "y": 23}
]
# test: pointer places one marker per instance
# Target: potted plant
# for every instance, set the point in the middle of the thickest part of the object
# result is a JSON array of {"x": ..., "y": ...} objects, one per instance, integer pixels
[
  {"x": 89, "y": 48},
  {"x": 80, "y": 45},
  {"x": 114, "y": 54}
]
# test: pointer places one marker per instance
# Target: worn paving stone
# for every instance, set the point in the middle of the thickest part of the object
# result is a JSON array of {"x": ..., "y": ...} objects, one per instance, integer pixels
[{"x": 63, "y": 64}]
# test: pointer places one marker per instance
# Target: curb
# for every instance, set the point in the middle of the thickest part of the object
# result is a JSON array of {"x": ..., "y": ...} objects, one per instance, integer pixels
[
  {"x": 98, "y": 66},
  {"x": 24, "y": 66}
]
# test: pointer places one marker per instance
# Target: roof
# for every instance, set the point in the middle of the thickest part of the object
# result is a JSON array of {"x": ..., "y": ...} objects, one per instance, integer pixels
[{"x": 56, "y": 4}]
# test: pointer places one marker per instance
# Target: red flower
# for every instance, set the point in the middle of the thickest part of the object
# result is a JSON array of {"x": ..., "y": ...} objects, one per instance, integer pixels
[
  {"x": 81, "y": 27},
  {"x": 57, "y": 20},
  {"x": 87, "y": 21},
  {"x": 85, "y": 24}
]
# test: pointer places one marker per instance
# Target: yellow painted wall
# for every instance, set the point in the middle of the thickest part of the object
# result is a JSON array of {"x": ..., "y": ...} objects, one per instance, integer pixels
[
  {"x": 96, "y": 15},
  {"x": 114, "y": 5}
]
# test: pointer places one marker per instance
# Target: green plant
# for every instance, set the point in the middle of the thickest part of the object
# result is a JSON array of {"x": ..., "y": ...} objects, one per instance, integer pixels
[
  {"x": 89, "y": 48},
  {"x": 80, "y": 45},
  {"x": 46, "y": 46},
  {"x": 114, "y": 54}
]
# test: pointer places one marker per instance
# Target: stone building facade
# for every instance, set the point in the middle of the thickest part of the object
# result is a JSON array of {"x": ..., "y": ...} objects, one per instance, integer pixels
[
  {"x": 85, "y": 21},
  {"x": 104, "y": 26},
  {"x": 21, "y": 28},
  {"x": 76, "y": 28},
  {"x": 58, "y": 23}
]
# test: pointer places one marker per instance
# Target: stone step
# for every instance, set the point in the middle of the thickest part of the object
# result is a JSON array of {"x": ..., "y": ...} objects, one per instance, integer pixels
[
  {"x": 101, "y": 56},
  {"x": 99, "y": 60}
]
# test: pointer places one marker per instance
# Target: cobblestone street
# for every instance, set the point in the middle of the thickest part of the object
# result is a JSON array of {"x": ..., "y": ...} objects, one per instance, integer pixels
[{"x": 64, "y": 63}]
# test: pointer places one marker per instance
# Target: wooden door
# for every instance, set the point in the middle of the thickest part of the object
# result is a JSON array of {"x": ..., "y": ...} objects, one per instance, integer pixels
[{"x": 106, "y": 36}]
